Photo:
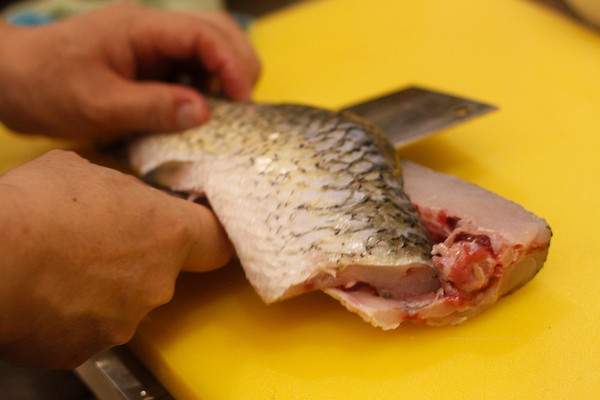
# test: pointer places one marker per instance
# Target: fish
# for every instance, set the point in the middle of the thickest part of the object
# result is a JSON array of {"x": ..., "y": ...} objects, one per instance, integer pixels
[
  {"x": 314, "y": 199},
  {"x": 485, "y": 246}
]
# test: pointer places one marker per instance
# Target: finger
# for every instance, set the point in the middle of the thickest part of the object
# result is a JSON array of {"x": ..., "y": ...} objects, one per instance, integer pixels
[
  {"x": 184, "y": 38},
  {"x": 150, "y": 107},
  {"x": 235, "y": 35},
  {"x": 210, "y": 247}
]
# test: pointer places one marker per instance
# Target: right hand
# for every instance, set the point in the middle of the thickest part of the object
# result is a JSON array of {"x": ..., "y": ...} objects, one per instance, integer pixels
[{"x": 87, "y": 252}]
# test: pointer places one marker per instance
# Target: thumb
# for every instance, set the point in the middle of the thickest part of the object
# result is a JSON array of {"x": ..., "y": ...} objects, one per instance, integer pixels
[
  {"x": 156, "y": 107},
  {"x": 209, "y": 247}
]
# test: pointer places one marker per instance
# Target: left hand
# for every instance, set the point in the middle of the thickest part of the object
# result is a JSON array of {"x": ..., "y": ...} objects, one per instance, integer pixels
[{"x": 103, "y": 74}]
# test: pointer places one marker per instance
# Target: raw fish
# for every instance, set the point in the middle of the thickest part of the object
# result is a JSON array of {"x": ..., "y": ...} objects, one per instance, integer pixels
[
  {"x": 485, "y": 247},
  {"x": 314, "y": 200}
]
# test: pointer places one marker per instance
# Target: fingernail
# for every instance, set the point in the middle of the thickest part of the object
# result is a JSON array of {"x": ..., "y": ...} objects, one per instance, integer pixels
[{"x": 189, "y": 115}]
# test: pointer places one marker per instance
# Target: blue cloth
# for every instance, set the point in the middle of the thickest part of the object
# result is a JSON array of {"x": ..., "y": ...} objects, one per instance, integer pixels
[{"x": 30, "y": 18}]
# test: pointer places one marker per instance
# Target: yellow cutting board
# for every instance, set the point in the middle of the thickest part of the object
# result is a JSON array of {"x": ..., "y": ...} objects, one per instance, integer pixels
[{"x": 216, "y": 340}]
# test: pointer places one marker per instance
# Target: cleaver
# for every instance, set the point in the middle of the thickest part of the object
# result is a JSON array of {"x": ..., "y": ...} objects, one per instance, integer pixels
[
  {"x": 405, "y": 115},
  {"x": 410, "y": 114}
]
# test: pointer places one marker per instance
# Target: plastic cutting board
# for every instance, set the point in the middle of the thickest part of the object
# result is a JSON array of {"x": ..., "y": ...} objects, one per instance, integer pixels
[{"x": 216, "y": 340}]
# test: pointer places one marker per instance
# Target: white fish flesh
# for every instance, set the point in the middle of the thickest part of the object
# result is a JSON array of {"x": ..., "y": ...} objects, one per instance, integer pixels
[
  {"x": 313, "y": 199},
  {"x": 485, "y": 247}
]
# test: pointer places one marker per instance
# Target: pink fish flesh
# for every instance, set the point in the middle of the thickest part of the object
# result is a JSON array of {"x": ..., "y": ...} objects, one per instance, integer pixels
[{"x": 485, "y": 247}]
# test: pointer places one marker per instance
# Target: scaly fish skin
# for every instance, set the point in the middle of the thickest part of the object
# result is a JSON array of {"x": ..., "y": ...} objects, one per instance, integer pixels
[{"x": 310, "y": 198}]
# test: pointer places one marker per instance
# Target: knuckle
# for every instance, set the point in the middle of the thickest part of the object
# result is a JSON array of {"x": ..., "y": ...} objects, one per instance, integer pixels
[
  {"x": 163, "y": 295},
  {"x": 91, "y": 113},
  {"x": 70, "y": 363},
  {"x": 59, "y": 159},
  {"x": 121, "y": 334},
  {"x": 61, "y": 154},
  {"x": 96, "y": 114}
]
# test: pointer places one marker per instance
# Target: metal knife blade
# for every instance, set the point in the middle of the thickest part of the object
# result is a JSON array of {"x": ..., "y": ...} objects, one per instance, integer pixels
[{"x": 410, "y": 114}]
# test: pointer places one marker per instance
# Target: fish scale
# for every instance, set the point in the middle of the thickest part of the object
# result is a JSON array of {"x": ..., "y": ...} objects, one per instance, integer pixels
[{"x": 302, "y": 192}]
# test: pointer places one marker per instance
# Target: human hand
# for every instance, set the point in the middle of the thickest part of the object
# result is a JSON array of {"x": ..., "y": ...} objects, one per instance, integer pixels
[
  {"x": 103, "y": 74},
  {"x": 86, "y": 253}
]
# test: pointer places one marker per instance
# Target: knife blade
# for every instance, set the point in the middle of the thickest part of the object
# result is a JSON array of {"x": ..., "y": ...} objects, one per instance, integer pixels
[{"x": 410, "y": 114}]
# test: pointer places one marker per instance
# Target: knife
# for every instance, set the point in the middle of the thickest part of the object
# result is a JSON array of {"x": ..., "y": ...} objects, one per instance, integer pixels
[{"x": 410, "y": 114}]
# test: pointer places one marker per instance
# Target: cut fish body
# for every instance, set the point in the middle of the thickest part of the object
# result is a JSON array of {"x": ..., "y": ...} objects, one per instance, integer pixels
[
  {"x": 486, "y": 246},
  {"x": 313, "y": 199}
]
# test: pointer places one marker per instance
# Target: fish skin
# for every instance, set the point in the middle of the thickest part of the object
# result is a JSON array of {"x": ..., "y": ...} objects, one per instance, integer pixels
[
  {"x": 306, "y": 195},
  {"x": 314, "y": 199}
]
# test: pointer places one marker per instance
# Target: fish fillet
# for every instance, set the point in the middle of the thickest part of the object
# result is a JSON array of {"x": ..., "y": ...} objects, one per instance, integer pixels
[
  {"x": 315, "y": 200},
  {"x": 485, "y": 247}
]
